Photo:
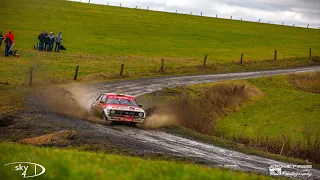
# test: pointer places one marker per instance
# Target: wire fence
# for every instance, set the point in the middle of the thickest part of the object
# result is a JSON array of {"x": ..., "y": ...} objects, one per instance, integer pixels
[{"x": 199, "y": 14}]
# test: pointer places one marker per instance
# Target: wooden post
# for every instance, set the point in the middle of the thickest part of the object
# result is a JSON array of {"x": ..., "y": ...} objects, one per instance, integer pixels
[
  {"x": 190, "y": 13},
  {"x": 89, "y": 1},
  {"x": 108, "y": 3},
  {"x": 293, "y": 25},
  {"x": 241, "y": 19},
  {"x": 269, "y": 22},
  {"x": 216, "y": 15},
  {"x": 176, "y": 11},
  {"x": 231, "y": 17},
  {"x": 76, "y": 74},
  {"x": 162, "y": 65},
  {"x": 136, "y": 7},
  {"x": 205, "y": 60},
  {"x": 30, "y": 81},
  {"x": 275, "y": 55},
  {"x": 122, "y": 66},
  {"x": 241, "y": 58},
  {"x": 259, "y": 20},
  {"x": 310, "y": 54},
  {"x": 201, "y": 13},
  {"x": 282, "y": 23},
  {"x": 120, "y": 4},
  {"x": 308, "y": 26},
  {"x": 147, "y": 7}
]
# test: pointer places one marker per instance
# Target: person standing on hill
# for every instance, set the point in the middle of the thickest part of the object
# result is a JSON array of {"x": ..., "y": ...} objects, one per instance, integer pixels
[
  {"x": 1, "y": 38},
  {"x": 45, "y": 40},
  {"x": 42, "y": 39},
  {"x": 50, "y": 39},
  {"x": 58, "y": 40},
  {"x": 9, "y": 40}
]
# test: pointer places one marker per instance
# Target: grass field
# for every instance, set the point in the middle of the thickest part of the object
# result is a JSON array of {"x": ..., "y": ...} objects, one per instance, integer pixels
[
  {"x": 71, "y": 164},
  {"x": 285, "y": 114},
  {"x": 97, "y": 36}
]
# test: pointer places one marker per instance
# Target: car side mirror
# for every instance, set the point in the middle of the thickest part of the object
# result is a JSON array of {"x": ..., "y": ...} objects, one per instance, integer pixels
[
  {"x": 140, "y": 105},
  {"x": 101, "y": 102}
]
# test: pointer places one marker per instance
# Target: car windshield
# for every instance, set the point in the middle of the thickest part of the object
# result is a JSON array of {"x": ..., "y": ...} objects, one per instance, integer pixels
[{"x": 122, "y": 101}]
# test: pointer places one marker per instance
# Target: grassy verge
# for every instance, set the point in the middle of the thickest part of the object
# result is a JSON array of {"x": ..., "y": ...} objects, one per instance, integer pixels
[
  {"x": 11, "y": 99},
  {"x": 71, "y": 164},
  {"x": 282, "y": 121},
  {"x": 96, "y": 38}
]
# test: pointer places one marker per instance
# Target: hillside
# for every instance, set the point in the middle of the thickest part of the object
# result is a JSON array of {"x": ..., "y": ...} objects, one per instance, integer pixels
[{"x": 96, "y": 37}]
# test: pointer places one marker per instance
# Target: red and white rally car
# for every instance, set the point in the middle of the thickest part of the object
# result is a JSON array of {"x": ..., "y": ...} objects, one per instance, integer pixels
[{"x": 118, "y": 107}]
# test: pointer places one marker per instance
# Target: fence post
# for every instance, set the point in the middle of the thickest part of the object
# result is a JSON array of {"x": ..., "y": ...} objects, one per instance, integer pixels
[
  {"x": 147, "y": 7},
  {"x": 201, "y": 13},
  {"x": 216, "y": 15},
  {"x": 176, "y": 11},
  {"x": 269, "y": 22},
  {"x": 205, "y": 60},
  {"x": 30, "y": 81},
  {"x": 308, "y": 26},
  {"x": 293, "y": 25},
  {"x": 76, "y": 74},
  {"x": 231, "y": 17},
  {"x": 259, "y": 20},
  {"x": 162, "y": 65},
  {"x": 89, "y": 1},
  {"x": 120, "y": 4},
  {"x": 310, "y": 54},
  {"x": 241, "y": 19},
  {"x": 122, "y": 66},
  {"x": 282, "y": 23},
  {"x": 275, "y": 55},
  {"x": 241, "y": 58}
]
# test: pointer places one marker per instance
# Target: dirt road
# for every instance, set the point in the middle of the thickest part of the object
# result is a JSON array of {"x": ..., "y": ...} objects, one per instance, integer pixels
[{"x": 146, "y": 141}]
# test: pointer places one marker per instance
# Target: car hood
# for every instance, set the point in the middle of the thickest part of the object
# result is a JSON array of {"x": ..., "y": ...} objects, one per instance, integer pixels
[{"x": 125, "y": 108}]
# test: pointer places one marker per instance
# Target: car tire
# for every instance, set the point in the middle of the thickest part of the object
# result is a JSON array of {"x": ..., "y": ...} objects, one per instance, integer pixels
[
  {"x": 104, "y": 117},
  {"x": 133, "y": 124}
]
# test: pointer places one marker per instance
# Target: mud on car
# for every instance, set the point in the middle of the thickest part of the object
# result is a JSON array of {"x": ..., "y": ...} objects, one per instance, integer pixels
[{"x": 118, "y": 107}]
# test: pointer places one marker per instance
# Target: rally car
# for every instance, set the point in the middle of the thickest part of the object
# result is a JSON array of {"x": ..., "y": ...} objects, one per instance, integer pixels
[{"x": 118, "y": 107}]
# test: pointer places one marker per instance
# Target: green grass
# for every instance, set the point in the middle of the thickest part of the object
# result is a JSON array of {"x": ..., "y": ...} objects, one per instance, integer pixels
[
  {"x": 97, "y": 36},
  {"x": 284, "y": 110},
  {"x": 71, "y": 164}
]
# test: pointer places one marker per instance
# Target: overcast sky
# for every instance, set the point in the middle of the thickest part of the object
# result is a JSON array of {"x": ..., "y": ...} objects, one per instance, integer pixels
[{"x": 298, "y": 12}]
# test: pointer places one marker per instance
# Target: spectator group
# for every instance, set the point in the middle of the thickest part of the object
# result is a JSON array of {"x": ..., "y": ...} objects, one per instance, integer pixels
[{"x": 47, "y": 41}]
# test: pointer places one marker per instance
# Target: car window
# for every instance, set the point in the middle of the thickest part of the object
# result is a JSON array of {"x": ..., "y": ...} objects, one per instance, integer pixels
[
  {"x": 103, "y": 98},
  {"x": 121, "y": 101},
  {"x": 98, "y": 98}
]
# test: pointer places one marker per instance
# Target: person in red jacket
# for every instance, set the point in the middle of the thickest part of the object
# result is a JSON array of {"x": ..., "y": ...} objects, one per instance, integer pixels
[{"x": 9, "y": 40}]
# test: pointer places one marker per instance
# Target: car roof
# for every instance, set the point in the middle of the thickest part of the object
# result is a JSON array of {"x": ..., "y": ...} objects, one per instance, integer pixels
[{"x": 115, "y": 94}]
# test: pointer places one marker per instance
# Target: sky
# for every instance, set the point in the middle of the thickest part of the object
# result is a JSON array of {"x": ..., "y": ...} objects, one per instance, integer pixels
[{"x": 298, "y": 12}]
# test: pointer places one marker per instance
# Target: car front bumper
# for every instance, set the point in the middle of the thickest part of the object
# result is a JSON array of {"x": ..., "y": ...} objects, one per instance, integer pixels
[{"x": 126, "y": 119}]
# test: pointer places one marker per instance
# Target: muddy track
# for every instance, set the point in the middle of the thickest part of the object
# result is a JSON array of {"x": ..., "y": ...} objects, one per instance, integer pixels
[{"x": 144, "y": 141}]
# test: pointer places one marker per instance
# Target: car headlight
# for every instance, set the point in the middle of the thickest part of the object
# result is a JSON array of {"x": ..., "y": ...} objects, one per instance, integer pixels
[
  {"x": 112, "y": 111},
  {"x": 141, "y": 114}
]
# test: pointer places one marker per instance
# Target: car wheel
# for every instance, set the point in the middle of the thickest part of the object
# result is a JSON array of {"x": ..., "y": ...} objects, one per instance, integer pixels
[
  {"x": 133, "y": 124},
  {"x": 104, "y": 117}
]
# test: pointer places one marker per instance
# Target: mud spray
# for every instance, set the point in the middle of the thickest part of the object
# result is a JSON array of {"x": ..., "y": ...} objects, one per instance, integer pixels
[
  {"x": 73, "y": 101},
  {"x": 76, "y": 100}
]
